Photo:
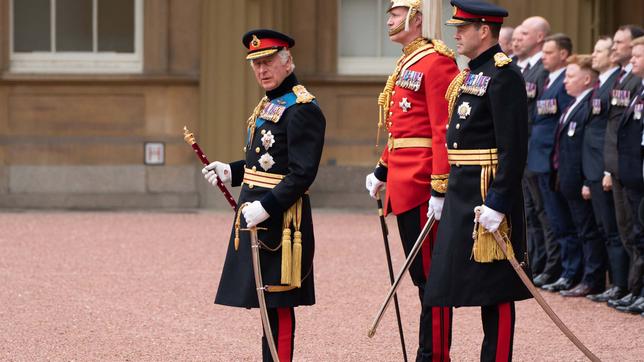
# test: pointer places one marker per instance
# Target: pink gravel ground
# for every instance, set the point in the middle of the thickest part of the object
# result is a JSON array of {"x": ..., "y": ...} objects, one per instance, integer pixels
[{"x": 140, "y": 286}]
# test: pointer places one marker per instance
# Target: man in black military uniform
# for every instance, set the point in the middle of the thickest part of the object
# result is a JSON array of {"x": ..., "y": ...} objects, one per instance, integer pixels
[
  {"x": 487, "y": 146},
  {"x": 282, "y": 150}
]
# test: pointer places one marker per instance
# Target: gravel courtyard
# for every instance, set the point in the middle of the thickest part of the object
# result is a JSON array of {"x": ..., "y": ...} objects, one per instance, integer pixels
[{"x": 123, "y": 286}]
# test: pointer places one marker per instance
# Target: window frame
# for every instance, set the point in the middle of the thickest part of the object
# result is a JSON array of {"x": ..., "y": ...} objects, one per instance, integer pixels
[
  {"x": 78, "y": 62},
  {"x": 376, "y": 65}
]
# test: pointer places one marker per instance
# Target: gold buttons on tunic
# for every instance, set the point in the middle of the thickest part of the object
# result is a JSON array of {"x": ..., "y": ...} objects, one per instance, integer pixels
[
  {"x": 257, "y": 150},
  {"x": 250, "y": 186},
  {"x": 455, "y": 145},
  {"x": 458, "y": 126},
  {"x": 254, "y": 168},
  {"x": 244, "y": 148},
  {"x": 263, "y": 131}
]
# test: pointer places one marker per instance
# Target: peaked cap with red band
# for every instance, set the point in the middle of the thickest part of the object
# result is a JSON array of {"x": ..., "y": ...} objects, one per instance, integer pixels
[
  {"x": 264, "y": 42},
  {"x": 475, "y": 11}
]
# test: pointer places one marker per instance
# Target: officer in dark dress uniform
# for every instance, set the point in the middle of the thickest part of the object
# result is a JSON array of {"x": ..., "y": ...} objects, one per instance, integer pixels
[
  {"x": 487, "y": 146},
  {"x": 414, "y": 164},
  {"x": 282, "y": 150}
]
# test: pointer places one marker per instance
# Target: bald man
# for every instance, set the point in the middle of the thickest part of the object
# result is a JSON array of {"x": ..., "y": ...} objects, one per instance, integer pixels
[
  {"x": 542, "y": 249},
  {"x": 518, "y": 52},
  {"x": 505, "y": 40}
]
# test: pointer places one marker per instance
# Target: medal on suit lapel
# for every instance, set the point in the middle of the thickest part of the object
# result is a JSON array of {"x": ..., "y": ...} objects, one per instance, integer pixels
[
  {"x": 597, "y": 106},
  {"x": 637, "y": 112},
  {"x": 571, "y": 128},
  {"x": 531, "y": 89}
]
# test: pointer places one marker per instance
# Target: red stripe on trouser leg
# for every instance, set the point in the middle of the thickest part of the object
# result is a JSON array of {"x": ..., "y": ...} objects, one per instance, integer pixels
[
  {"x": 285, "y": 332},
  {"x": 505, "y": 332},
  {"x": 441, "y": 326}
]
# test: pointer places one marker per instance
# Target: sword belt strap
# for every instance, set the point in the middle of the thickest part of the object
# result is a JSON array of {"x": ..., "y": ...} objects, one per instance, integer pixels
[
  {"x": 254, "y": 178},
  {"x": 411, "y": 142}
]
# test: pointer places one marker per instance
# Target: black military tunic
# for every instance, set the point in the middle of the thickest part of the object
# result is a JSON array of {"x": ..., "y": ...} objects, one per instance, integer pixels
[
  {"x": 289, "y": 145},
  {"x": 491, "y": 114}
]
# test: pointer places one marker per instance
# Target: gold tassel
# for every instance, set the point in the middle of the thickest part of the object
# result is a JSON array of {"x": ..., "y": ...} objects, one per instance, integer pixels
[
  {"x": 286, "y": 248},
  {"x": 486, "y": 249},
  {"x": 297, "y": 246},
  {"x": 237, "y": 226}
]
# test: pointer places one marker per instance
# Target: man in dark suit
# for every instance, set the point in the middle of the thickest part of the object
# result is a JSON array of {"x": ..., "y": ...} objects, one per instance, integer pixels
[
  {"x": 593, "y": 168},
  {"x": 621, "y": 95},
  {"x": 283, "y": 147},
  {"x": 630, "y": 146},
  {"x": 549, "y": 106},
  {"x": 542, "y": 249},
  {"x": 567, "y": 163}
]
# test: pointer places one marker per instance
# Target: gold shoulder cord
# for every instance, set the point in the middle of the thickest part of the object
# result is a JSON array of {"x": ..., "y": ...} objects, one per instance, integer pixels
[
  {"x": 385, "y": 97},
  {"x": 453, "y": 92},
  {"x": 250, "y": 123}
]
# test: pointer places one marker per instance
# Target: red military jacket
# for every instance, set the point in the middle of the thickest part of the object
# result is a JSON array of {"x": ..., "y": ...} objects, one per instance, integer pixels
[{"x": 417, "y": 111}]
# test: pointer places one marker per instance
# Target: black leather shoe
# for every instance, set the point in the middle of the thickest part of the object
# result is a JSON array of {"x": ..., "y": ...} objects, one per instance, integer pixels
[
  {"x": 628, "y": 299},
  {"x": 581, "y": 290},
  {"x": 636, "y": 308},
  {"x": 614, "y": 292},
  {"x": 542, "y": 279},
  {"x": 560, "y": 284}
]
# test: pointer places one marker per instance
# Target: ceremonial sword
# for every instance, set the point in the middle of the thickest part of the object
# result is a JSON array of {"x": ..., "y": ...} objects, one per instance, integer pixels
[
  {"x": 189, "y": 137},
  {"x": 537, "y": 296},
  {"x": 410, "y": 258},
  {"x": 385, "y": 237},
  {"x": 259, "y": 286}
]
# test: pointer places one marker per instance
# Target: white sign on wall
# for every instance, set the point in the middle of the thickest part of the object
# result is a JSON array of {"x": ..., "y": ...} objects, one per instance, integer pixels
[{"x": 154, "y": 153}]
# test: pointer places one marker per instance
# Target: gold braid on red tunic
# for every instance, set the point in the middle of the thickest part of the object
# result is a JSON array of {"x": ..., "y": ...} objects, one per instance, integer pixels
[{"x": 384, "y": 99}]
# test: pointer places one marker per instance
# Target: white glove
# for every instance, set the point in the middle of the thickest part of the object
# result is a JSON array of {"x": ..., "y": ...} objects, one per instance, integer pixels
[
  {"x": 217, "y": 169},
  {"x": 435, "y": 207},
  {"x": 373, "y": 185},
  {"x": 490, "y": 219},
  {"x": 254, "y": 214}
]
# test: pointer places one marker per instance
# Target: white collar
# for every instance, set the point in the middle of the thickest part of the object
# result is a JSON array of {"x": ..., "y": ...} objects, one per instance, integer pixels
[
  {"x": 522, "y": 63},
  {"x": 582, "y": 95},
  {"x": 605, "y": 75},
  {"x": 628, "y": 68},
  {"x": 535, "y": 58},
  {"x": 554, "y": 75}
]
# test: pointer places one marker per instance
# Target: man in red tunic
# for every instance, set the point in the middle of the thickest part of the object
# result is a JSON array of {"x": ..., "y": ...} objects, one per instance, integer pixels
[{"x": 414, "y": 163}]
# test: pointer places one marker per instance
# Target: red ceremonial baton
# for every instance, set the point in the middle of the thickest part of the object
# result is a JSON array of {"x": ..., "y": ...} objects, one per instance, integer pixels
[{"x": 189, "y": 137}]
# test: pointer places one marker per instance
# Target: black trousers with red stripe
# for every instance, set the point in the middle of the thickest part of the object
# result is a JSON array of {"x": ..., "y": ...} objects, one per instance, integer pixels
[
  {"x": 435, "y": 327},
  {"x": 283, "y": 328},
  {"x": 498, "y": 327}
]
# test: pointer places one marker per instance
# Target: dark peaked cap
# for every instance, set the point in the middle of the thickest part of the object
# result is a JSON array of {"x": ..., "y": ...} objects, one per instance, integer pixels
[
  {"x": 264, "y": 42},
  {"x": 475, "y": 11}
]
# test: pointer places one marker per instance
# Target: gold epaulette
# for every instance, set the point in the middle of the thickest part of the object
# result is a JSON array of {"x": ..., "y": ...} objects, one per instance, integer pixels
[
  {"x": 303, "y": 95},
  {"x": 442, "y": 48},
  {"x": 501, "y": 60}
]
